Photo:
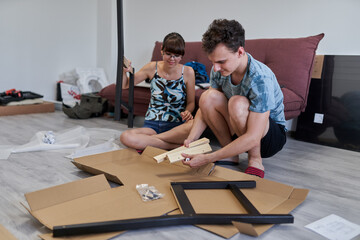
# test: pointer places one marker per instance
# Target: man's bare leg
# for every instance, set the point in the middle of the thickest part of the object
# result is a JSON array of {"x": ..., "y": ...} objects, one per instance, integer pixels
[
  {"x": 239, "y": 113},
  {"x": 213, "y": 105},
  {"x": 214, "y": 109}
]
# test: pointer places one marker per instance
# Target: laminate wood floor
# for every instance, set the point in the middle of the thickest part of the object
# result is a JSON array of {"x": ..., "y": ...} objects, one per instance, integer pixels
[{"x": 331, "y": 174}]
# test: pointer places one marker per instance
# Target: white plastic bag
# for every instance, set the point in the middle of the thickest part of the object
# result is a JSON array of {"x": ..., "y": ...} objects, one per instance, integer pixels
[
  {"x": 148, "y": 193},
  {"x": 70, "y": 94}
]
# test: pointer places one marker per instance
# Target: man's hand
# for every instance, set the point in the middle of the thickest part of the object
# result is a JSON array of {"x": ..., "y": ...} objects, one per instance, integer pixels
[
  {"x": 186, "y": 115},
  {"x": 195, "y": 161}
]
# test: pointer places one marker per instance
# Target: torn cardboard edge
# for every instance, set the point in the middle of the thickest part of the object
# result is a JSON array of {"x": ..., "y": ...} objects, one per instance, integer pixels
[
  {"x": 5, "y": 234},
  {"x": 131, "y": 168}
]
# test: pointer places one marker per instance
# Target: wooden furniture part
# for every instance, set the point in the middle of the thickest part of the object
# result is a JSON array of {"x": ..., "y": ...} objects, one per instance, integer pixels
[{"x": 196, "y": 147}]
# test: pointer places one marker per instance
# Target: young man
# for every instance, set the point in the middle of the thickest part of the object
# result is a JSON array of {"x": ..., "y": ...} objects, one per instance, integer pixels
[{"x": 244, "y": 102}]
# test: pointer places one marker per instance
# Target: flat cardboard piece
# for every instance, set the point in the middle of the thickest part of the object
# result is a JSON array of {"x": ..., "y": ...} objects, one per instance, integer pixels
[
  {"x": 27, "y": 109},
  {"x": 318, "y": 66},
  {"x": 5, "y": 234},
  {"x": 129, "y": 168}
]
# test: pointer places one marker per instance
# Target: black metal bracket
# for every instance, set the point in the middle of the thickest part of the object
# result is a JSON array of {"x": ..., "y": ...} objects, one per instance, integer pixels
[
  {"x": 189, "y": 216},
  {"x": 129, "y": 106}
]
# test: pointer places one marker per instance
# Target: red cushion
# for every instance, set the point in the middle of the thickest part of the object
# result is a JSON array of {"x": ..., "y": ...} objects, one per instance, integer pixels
[
  {"x": 109, "y": 93},
  {"x": 291, "y": 59}
]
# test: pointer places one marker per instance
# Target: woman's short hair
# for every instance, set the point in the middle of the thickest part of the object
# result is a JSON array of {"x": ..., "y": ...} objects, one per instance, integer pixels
[{"x": 174, "y": 43}]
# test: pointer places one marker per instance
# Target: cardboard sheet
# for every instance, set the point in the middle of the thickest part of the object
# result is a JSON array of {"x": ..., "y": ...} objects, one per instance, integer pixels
[
  {"x": 92, "y": 200},
  {"x": 5, "y": 234},
  {"x": 27, "y": 109}
]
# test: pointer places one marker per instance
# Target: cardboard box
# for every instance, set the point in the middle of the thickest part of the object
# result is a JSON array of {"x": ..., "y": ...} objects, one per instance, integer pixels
[
  {"x": 27, "y": 109},
  {"x": 92, "y": 199}
]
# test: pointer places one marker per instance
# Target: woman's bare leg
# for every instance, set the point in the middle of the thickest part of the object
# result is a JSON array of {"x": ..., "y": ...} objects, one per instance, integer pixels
[
  {"x": 140, "y": 138},
  {"x": 176, "y": 136}
]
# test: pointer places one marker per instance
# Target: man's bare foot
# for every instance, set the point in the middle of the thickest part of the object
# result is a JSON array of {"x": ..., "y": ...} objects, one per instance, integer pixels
[{"x": 256, "y": 164}]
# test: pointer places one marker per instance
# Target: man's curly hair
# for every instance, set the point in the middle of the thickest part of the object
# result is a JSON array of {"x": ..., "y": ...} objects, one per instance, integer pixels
[{"x": 228, "y": 32}]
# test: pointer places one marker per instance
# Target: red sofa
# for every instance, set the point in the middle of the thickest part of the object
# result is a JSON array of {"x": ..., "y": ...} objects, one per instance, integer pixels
[{"x": 291, "y": 59}]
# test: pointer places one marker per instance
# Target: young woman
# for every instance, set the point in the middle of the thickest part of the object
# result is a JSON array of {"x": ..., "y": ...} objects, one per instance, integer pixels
[{"x": 172, "y": 100}]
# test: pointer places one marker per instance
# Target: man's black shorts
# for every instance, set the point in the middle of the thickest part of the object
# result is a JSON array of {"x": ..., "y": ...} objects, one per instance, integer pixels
[{"x": 274, "y": 140}]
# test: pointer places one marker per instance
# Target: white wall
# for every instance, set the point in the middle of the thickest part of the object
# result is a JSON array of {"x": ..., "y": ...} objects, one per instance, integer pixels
[
  {"x": 40, "y": 39},
  {"x": 107, "y": 38},
  {"x": 149, "y": 21}
]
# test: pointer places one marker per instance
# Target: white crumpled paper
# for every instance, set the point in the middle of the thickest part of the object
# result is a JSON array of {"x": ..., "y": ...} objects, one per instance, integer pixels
[{"x": 73, "y": 138}]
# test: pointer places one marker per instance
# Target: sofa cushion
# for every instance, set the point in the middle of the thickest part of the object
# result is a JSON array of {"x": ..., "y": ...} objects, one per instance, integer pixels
[
  {"x": 109, "y": 93},
  {"x": 291, "y": 59},
  {"x": 142, "y": 94}
]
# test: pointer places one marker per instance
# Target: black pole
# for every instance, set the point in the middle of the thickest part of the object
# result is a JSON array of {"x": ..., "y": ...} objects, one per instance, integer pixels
[{"x": 119, "y": 74}]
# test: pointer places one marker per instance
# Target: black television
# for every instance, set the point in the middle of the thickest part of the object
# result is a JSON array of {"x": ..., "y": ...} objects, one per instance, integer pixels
[{"x": 332, "y": 115}]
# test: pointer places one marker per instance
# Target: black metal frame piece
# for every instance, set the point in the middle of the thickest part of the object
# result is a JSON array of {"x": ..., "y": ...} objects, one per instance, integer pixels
[
  {"x": 189, "y": 216},
  {"x": 119, "y": 78},
  {"x": 119, "y": 73}
]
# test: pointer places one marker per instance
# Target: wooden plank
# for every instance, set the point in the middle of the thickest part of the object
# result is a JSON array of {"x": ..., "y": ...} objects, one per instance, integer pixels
[
  {"x": 162, "y": 157},
  {"x": 176, "y": 156}
]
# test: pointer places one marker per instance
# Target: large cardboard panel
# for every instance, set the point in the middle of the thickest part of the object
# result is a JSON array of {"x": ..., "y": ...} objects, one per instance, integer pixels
[
  {"x": 27, "y": 109},
  {"x": 110, "y": 204},
  {"x": 130, "y": 169},
  {"x": 102, "y": 204},
  {"x": 46, "y": 198},
  {"x": 127, "y": 167}
]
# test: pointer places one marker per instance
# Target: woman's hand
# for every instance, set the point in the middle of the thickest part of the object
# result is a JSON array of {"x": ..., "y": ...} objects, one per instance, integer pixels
[
  {"x": 129, "y": 68},
  {"x": 186, "y": 115}
]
